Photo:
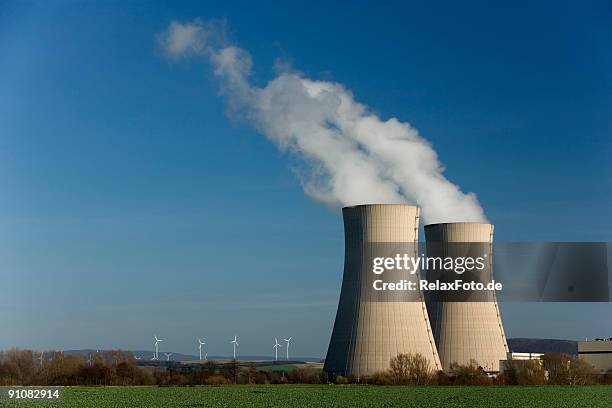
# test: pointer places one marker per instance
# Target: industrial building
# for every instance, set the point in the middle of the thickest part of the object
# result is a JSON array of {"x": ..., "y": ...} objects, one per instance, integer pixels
[
  {"x": 465, "y": 330},
  {"x": 370, "y": 329},
  {"x": 597, "y": 353},
  {"x": 519, "y": 358}
]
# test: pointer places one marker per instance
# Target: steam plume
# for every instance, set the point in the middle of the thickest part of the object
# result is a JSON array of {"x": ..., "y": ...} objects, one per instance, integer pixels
[{"x": 351, "y": 155}]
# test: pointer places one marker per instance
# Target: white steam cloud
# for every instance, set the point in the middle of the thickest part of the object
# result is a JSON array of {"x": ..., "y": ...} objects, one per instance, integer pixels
[{"x": 352, "y": 156}]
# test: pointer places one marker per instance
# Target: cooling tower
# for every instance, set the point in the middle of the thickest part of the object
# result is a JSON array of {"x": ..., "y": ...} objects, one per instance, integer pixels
[
  {"x": 372, "y": 328},
  {"x": 465, "y": 330}
]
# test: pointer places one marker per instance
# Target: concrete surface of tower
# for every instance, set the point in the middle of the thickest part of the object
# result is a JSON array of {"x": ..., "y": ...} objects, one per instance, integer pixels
[
  {"x": 465, "y": 330},
  {"x": 368, "y": 332}
]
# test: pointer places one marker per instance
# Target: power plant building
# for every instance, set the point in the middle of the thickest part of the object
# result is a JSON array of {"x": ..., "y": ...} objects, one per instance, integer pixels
[
  {"x": 465, "y": 330},
  {"x": 371, "y": 328}
]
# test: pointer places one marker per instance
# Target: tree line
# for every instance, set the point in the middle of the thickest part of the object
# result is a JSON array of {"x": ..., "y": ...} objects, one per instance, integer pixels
[
  {"x": 119, "y": 368},
  {"x": 553, "y": 369}
]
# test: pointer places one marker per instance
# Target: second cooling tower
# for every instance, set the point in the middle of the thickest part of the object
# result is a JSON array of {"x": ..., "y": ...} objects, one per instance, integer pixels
[
  {"x": 372, "y": 328},
  {"x": 465, "y": 330}
]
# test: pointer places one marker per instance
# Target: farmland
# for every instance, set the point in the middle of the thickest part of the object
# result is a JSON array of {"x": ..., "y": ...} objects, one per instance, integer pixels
[{"x": 333, "y": 395}]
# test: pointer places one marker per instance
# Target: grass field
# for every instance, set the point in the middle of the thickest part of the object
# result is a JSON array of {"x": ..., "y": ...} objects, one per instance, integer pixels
[{"x": 332, "y": 396}]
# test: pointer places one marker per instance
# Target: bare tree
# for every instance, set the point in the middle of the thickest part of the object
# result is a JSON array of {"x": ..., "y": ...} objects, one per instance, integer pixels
[
  {"x": 410, "y": 369},
  {"x": 570, "y": 370}
]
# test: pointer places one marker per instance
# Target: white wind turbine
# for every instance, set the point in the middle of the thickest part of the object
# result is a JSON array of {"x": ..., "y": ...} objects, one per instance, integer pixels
[
  {"x": 200, "y": 344},
  {"x": 156, "y": 357},
  {"x": 205, "y": 356},
  {"x": 235, "y": 343},
  {"x": 168, "y": 356},
  {"x": 288, "y": 340},
  {"x": 276, "y": 346}
]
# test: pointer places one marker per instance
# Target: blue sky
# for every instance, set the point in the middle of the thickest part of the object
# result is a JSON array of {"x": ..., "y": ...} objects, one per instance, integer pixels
[{"x": 131, "y": 204}]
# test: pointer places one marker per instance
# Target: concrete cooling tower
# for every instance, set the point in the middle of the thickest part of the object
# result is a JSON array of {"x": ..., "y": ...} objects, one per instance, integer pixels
[
  {"x": 465, "y": 330},
  {"x": 371, "y": 328}
]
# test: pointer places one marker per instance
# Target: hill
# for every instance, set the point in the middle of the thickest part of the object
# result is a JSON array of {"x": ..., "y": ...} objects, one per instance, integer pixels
[{"x": 524, "y": 345}]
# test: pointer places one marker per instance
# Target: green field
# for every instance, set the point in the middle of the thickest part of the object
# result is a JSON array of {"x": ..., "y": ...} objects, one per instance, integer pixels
[{"x": 288, "y": 396}]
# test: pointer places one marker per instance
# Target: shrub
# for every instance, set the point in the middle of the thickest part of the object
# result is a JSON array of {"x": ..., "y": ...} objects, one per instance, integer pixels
[
  {"x": 341, "y": 380},
  {"x": 410, "y": 369},
  {"x": 9, "y": 374},
  {"x": 470, "y": 374},
  {"x": 528, "y": 372},
  {"x": 216, "y": 380},
  {"x": 382, "y": 378},
  {"x": 304, "y": 376},
  {"x": 441, "y": 378}
]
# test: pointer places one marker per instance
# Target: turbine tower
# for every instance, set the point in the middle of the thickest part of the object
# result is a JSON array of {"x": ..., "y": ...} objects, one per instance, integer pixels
[
  {"x": 372, "y": 327},
  {"x": 465, "y": 330},
  {"x": 156, "y": 357},
  {"x": 276, "y": 346},
  {"x": 288, "y": 340},
  {"x": 200, "y": 344},
  {"x": 168, "y": 356},
  {"x": 235, "y": 343}
]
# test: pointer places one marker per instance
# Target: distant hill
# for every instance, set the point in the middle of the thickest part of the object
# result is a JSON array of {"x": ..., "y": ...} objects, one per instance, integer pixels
[
  {"x": 146, "y": 355},
  {"x": 140, "y": 354},
  {"x": 523, "y": 345}
]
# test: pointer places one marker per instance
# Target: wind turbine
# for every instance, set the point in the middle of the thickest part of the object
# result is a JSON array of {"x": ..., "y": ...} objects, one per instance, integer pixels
[
  {"x": 235, "y": 343},
  {"x": 276, "y": 346},
  {"x": 42, "y": 353},
  {"x": 168, "y": 356},
  {"x": 156, "y": 348},
  {"x": 205, "y": 355},
  {"x": 288, "y": 340},
  {"x": 200, "y": 344}
]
